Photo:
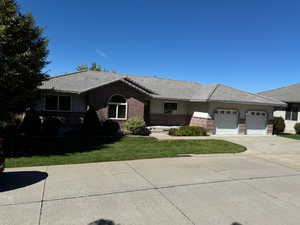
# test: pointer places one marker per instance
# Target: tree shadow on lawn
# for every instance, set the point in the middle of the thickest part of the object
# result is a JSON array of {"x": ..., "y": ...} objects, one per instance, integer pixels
[
  {"x": 46, "y": 146},
  {"x": 14, "y": 180}
]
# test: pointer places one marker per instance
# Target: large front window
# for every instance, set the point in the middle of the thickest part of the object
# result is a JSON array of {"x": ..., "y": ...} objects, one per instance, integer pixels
[
  {"x": 117, "y": 107},
  {"x": 58, "y": 103},
  {"x": 291, "y": 113},
  {"x": 170, "y": 107}
]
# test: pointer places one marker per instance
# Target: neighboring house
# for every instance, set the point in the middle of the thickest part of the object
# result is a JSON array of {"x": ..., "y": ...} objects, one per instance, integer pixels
[
  {"x": 291, "y": 96},
  {"x": 160, "y": 102}
]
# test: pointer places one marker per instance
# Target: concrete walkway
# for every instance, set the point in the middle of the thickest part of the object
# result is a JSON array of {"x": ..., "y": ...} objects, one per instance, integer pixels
[{"x": 260, "y": 187}]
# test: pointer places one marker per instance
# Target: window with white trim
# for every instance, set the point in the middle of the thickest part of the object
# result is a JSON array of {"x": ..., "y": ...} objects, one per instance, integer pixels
[
  {"x": 117, "y": 107},
  {"x": 58, "y": 103}
]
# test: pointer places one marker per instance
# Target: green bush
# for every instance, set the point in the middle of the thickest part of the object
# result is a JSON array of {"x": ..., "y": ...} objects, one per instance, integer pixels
[
  {"x": 110, "y": 128},
  {"x": 32, "y": 124},
  {"x": 188, "y": 131},
  {"x": 297, "y": 128},
  {"x": 279, "y": 125},
  {"x": 91, "y": 123},
  {"x": 135, "y": 126}
]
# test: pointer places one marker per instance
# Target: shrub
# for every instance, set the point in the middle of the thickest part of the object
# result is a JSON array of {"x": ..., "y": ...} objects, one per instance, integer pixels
[
  {"x": 136, "y": 126},
  {"x": 188, "y": 131},
  {"x": 51, "y": 126},
  {"x": 110, "y": 128},
  {"x": 91, "y": 123},
  {"x": 297, "y": 128},
  {"x": 174, "y": 132},
  {"x": 279, "y": 125},
  {"x": 31, "y": 124}
]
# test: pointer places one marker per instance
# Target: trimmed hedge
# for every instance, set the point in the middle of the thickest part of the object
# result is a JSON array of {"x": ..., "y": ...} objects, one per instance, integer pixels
[
  {"x": 279, "y": 125},
  {"x": 188, "y": 131},
  {"x": 297, "y": 128},
  {"x": 136, "y": 126}
]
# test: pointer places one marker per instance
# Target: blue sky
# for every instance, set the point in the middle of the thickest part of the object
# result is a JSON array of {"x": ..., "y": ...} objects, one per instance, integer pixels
[{"x": 248, "y": 44}]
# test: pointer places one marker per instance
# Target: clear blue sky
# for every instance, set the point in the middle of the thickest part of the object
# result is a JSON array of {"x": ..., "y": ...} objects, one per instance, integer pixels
[{"x": 248, "y": 44}]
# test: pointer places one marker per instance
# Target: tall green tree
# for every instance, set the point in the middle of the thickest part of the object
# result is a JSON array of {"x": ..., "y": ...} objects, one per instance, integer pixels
[{"x": 23, "y": 55}]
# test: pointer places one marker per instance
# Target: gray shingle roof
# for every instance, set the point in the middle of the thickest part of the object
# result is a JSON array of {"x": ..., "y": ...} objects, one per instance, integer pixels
[
  {"x": 156, "y": 87},
  {"x": 225, "y": 93},
  {"x": 287, "y": 94}
]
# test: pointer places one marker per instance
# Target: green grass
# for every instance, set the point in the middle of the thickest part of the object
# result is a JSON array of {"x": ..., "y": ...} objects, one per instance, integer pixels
[
  {"x": 293, "y": 136},
  {"x": 75, "y": 150}
]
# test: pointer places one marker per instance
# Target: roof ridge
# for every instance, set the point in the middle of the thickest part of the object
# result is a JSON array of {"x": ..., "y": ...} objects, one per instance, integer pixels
[
  {"x": 275, "y": 89},
  {"x": 194, "y": 82},
  {"x": 213, "y": 91},
  {"x": 66, "y": 74}
]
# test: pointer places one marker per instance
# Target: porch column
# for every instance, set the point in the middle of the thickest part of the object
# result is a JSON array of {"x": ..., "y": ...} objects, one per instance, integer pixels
[
  {"x": 242, "y": 126},
  {"x": 270, "y": 127}
]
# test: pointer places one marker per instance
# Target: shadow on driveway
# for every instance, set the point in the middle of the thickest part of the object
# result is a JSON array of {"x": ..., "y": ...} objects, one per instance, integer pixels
[
  {"x": 14, "y": 180},
  {"x": 103, "y": 222}
]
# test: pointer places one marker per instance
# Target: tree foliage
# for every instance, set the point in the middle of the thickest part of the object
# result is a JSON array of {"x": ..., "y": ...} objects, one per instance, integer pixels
[
  {"x": 23, "y": 53},
  {"x": 93, "y": 67}
]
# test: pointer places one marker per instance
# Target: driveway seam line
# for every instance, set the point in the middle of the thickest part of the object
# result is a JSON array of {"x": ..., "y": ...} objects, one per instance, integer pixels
[
  {"x": 162, "y": 194},
  {"x": 42, "y": 200}
]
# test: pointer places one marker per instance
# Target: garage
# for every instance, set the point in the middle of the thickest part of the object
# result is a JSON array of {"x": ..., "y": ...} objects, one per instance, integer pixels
[
  {"x": 256, "y": 123},
  {"x": 226, "y": 122}
]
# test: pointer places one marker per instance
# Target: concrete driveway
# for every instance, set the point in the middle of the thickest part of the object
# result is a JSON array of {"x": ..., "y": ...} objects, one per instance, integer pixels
[{"x": 259, "y": 187}]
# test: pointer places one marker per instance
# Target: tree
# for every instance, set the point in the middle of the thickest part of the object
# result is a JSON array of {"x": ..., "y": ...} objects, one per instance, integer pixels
[
  {"x": 93, "y": 67},
  {"x": 23, "y": 53},
  {"x": 82, "y": 67}
]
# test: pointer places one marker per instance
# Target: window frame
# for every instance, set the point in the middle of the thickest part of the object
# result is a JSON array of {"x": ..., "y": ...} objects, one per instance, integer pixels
[
  {"x": 117, "y": 104},
  {"x": 289, "y": 113},
  {"x": 57, "y": 104},
  {"x": 172, "y": 111}
]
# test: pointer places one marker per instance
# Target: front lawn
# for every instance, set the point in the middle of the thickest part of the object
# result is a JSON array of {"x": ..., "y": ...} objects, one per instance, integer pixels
[
  {"x": 293, "y": 136},
  {"x": 75, "y": 150}
]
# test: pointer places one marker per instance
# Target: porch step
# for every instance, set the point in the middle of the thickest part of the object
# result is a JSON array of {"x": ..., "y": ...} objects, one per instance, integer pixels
[{"x": 160, "y": 129}]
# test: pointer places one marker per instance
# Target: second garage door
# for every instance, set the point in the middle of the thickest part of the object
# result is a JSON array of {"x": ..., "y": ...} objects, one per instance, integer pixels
[
  {"x": 226, "y": 122},
  {"x": 256, "y": 122}
]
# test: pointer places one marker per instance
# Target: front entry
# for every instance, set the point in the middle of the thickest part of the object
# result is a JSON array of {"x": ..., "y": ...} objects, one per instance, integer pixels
[
  {"x": 256, "y": 122},
  {"x": 226, "y": 122}
]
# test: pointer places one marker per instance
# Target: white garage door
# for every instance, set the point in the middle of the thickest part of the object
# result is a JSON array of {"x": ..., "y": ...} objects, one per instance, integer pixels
[
  {"x": 226, "y": 122},
  {"x": 256, "y": 123}
]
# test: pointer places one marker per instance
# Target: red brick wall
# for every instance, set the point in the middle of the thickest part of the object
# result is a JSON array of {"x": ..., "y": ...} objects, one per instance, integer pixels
[
  {"x": 270, "y": 127},
  {"x": 169, "y": 120},
  {"x": 242, "y": 126},
  {"x": 135, "y": 99},
  {"x": 203, "y": 122}
]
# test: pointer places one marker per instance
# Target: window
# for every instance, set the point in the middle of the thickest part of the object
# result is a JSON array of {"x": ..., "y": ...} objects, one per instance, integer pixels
[
  {"x": 170, "y": 107},
  {"x": 58, "y": 103},
  {"x": 291, "y": 113},
  {"x": 117, "y": 107}
]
